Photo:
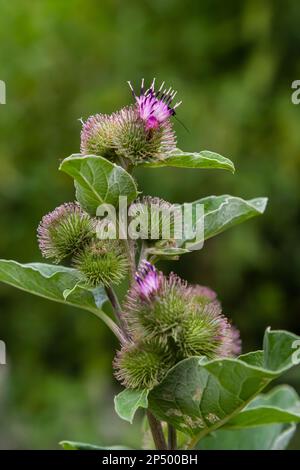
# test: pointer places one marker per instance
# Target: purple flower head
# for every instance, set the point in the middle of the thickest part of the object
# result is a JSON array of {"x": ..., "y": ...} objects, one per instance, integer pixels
[
  {"x": 155, "y": 107},
  {"x": 148, "y": 281}
]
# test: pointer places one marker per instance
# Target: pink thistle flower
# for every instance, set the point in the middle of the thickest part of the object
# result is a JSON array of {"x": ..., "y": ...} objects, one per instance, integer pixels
[
  {"x": 148, "y": 281},
  {"x": 155, "y": 107}
]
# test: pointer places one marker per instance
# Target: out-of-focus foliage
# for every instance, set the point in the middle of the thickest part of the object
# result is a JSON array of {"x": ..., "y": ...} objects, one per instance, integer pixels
[{"x": 233, "y": 64}]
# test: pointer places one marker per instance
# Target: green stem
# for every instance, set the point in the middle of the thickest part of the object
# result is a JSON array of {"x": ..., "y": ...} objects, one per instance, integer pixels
[
  {"x": 157, "y": 432},
  {"x": 111, "y": 324},
  {"x": 172, "y": 437},
  {"x": 116, "y": 308},
  {"x": 130, "y": 251},
  {"x": 143, "y": 252}
]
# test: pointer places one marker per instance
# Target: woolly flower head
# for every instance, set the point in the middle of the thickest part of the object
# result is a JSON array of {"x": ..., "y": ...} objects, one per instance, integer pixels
[
  {"x": 64, "y": 231},
  {"x": 138, "y": 133},
  {"x": 166, "y": 309},
  {"x": 102, "y": 262}
]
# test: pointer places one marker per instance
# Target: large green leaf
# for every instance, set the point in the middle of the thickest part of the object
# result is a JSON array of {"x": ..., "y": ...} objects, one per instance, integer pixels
[
  {"x": 204, "y": 159},
  {"x": 221, "y": 213},
  {"x": 57, "y": 283},
  {"x": 199, "y": 396},
  {"x": 98, "y": 181},
  {"x": 271, "y": 437},
  {"x": 272, "y": 409},
  {"x": 72, "y": 445},
  {"x": 281, "y": 405},
  {"x": 128, "y": 402}
]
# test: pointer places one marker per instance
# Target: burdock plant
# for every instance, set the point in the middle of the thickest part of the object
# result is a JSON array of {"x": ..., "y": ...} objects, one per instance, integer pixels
[{"x": 179, "y": 356}]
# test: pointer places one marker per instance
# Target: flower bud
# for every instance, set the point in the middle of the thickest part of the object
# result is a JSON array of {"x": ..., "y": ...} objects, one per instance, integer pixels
[
  {"x": 186, "y": 319},
  {"x": 64, "y": 231},
  {"x": 156, "y": 304},
  {"x": 203, "y": 294},
  {"x": 203, "y": 332},
  {"x": 137, "y": 143},
  {"x": 98, "y": 135},
  {"x": 157, "y": 218},
  {"x": 141, "y": 366},
  {"x": 232, "y": 347},
  {"x": 207, "y": 302},
  {"x": 102, "y": 262}
]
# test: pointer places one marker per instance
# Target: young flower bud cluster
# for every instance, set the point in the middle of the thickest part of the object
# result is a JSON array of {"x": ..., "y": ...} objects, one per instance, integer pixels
[
  {"x": 166, "y": 317},
  {"x": 138, "y": 133},
  {"x": 69, "y": 232},
  {"x": 156, "y": 218}
]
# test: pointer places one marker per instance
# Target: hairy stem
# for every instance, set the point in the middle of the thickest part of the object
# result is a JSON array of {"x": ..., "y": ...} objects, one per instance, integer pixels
[
  {"x": 157, "y": 432},
  {"x": 172, "y": 438}
]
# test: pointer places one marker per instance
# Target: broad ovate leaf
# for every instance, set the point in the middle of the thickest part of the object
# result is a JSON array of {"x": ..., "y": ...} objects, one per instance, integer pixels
[
  {"x": 98, "y": 181},
  {"x": 128, "y": 401},
  {"x": 165, "y": 253},
  {"x": 219, "y": 213},
  {"x": 73, "y": 445},
  {"x": 201, "y": 160},
  {"x": 281, "y": 405},
  {"x": 271, "y": 437},
  {"x": 198, "y": 396},
  {"x": 265, "y": 424},
  {"x": 57, "y": 283}
]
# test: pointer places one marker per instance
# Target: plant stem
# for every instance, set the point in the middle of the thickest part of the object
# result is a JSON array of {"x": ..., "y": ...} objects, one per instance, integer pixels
[
  {"x": 129, "y": 246},
  {"x": 172, "y": 437},
  {"x": 110, "y": 323},
  {"x": 117, "y": 309},
  {"x": 157, "y": 432},
  {"x": 114, "y": 302},
  {"x": 143, "y": 252}
]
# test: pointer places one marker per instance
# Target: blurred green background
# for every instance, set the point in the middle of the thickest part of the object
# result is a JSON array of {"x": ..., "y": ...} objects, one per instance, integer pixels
[{"x": 233, "y": 64}]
